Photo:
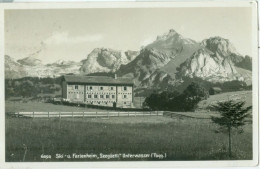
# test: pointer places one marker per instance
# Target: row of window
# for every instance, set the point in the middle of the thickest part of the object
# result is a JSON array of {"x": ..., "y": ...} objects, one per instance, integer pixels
[
  {"x": 100, "y": 88},
  {"x": 104, "y": 93},
  {"x": 124, "y": 93},
  {"x": 101, "y": 102},
  {"x": 90, "y": 93},
  {"x": 101, "y": 96},
  {"x": 75, "y": 92}
]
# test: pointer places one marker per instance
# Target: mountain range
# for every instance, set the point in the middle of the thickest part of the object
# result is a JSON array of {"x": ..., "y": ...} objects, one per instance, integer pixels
[
  {"x": 106, "y": 60},
  {"x": 166, "y": 60}
]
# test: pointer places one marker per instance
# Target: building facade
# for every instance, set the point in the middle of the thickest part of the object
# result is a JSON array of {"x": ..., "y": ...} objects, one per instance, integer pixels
[{"x": 98, "y": 90}]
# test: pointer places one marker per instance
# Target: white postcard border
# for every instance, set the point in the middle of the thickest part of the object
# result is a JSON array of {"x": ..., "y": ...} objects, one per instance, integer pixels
[{"x": 165, "y": 164}]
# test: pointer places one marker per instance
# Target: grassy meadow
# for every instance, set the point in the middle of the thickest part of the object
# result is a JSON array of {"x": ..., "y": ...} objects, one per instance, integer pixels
[
  {"x": 238, "y": 96},
  {"x": 178, "y": 138},
  {"x": 184, "y": 136},
  {"x": 43, "y": 107},
  {"x": 35, "y": 106}
]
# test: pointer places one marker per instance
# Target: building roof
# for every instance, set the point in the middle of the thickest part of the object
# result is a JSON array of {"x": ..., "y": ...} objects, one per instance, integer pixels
[{"x": 97, "y": 80}]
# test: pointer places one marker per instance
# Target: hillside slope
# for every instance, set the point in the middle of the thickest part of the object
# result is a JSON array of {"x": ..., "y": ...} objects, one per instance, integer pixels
[{"x": 238, "y": 96}]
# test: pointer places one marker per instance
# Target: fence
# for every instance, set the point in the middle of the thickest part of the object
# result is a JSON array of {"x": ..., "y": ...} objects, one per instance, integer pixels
[
  {"x": 176, "y": 114},
  {"x": 82, "y": 114}
]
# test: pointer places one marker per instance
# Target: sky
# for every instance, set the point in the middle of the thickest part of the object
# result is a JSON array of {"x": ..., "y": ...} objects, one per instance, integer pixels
[{"x": 71, "y": 34}]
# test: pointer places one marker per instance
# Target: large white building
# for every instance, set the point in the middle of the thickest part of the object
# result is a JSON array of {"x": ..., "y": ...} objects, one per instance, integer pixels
[{"x": 98, "y": 90}]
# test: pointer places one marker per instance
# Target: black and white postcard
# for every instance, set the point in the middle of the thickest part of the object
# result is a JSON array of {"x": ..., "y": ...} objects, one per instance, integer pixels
[{"x": 129, "y": 84}]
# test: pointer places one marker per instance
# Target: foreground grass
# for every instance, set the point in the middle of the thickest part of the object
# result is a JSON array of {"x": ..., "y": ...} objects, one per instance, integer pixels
[
  {"x": 35, "y": 106},
  {"x": 11, "y": 106},
  {"x": 180, "y": 139}
]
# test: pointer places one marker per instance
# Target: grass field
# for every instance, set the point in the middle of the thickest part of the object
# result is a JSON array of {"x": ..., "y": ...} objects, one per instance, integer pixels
[
  {"x": 30, "y": 106},
  {"x": 43, "y": 107},
  {"x": 185, "y": 136},
  {"x": 178, "y": 138},
  {"x": 237, "y": 96}
]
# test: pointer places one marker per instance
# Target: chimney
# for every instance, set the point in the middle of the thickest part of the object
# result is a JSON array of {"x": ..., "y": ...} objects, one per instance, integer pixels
[{"x": 115, "y": 76}]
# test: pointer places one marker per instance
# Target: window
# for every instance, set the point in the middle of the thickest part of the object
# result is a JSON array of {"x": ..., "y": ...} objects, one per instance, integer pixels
[
  {"x": 90, "y": 87},
  {"x": 113, "y": 96},
  {"x": 107, "y": 96},
  {"x": 76, "y": 87},
  {"x": 101, "y": 88},
  {"x": 125, "y": 96},
  {"x": 95, "y": 96},
  {"x": 101, "y": 96},
  {"x": 112, "y": 88},
  {"x": 89, "y": 96},
  {"x": 125, "y": 88}
]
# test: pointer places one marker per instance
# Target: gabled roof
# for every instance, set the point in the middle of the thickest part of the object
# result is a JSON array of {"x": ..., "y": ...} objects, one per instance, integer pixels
[{"x": 97, "y": 80}]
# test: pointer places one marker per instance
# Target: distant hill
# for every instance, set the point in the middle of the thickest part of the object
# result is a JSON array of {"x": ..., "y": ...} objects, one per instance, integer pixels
[
  {"x": 30, "y": 61},
  {"x": 13, "y": 70},
  {"x": 17, "y": 69}
]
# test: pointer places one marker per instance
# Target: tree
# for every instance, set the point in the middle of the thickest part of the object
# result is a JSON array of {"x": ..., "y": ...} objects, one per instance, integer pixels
[
  {"x": 152, "y": 101},
  {"x": 159, "y": 101},
  {"x": 174, "y": 101},
  {"x": 192, "y": 95},
  {"x": 232, "y": 116}
]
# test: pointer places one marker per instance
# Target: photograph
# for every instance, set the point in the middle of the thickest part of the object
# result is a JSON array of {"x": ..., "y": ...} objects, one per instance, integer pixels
[{"x": 121, "y": 83}]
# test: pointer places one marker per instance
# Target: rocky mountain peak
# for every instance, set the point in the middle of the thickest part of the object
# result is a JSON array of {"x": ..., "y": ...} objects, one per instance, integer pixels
[
  {"x": 8, "y": 58},
  {"x": 223, "y": 49},
  {"x": 172, "y": 31},
  {"x": 10, "y": 61},
  {"x": 30, "y": 61},
  {"x": 217, "y": 61},
  {"x": 219, "y": 45},
  {"x": 61, "y": 62},
  {"x": 171, "y": 41},
  {"x": 207, "y": 67},
  {"x": 131, "y": 55},
  {"x": 171, "y": 34},
  {"x": 106, "y": 60},
  {"x": 13, "y": 69}
]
